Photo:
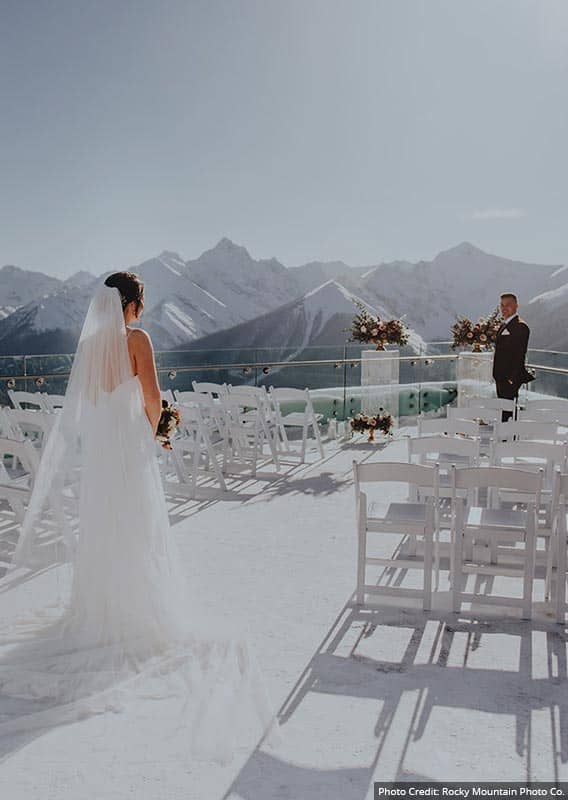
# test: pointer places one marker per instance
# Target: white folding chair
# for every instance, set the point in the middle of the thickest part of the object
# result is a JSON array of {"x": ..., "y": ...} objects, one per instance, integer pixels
[
  {"x": 53, "y": 402},
  {"x": 489, "y": 421},
  {"x": 492, "y": 403},
  {"x": 212, "y": 411},
  {"x": 16, "y": 480},
  {"x": 415, "y": 521},
  {"x": 533, "y": 456},
  {"x": 33, "y": 400},
  {"x": 304, "y": 418},
  {"x": 546, "y": 404},
  {"x": 248, "y": 428},
  {"x": 528, "y": 430},
  {"x": 206, "y": 387},
  {"x": 448, "y": 426},
  {"x": 495, "y": 530},
  {"x": 443, "y": 451},
  {"x": 265, "y": 408},
  {"x": 28, "y": 424},
  {"x": 196, "y": 441},
  {"x": 560, "y": 539},
  {"x": 484, "y": 413},
  {"x": 7, "y": 429},
  {"x": 555, "y": 415},
  {"x": 190, "y": 397}
]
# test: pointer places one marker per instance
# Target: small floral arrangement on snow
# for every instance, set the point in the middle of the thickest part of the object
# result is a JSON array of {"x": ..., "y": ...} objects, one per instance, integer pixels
[
  {"x": 169, "y": 420},
  {"x": 480, "y": 335},
  {"x": 366, "y": 328},
  {"x": 380, "y": 422}
]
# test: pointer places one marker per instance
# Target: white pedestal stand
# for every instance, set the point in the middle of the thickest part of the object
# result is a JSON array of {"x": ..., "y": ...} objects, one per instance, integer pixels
[
  {"x": 380, "y": 369},
  {"x": 474, "y": 376}
]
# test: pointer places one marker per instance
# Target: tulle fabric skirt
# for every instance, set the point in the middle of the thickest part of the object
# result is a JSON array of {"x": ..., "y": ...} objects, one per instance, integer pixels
[{"x": 126, "y": 633}]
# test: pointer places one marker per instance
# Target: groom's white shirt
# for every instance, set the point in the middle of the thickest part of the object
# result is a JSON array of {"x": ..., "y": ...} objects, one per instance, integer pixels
[{"x": 505, "y": 323}]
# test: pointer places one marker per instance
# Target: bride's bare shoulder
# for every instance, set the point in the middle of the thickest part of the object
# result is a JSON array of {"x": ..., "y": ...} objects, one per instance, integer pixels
[{"x": 139, "y": 338}]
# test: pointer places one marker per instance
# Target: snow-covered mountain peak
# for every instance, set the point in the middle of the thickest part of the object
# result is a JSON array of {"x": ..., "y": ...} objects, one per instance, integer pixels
[
  {"x": 328, "y": 292},
  {"x": 81, "y": 279},
  {"x": 172, "y": 261},
  {"x": 171, "y": 257},
  {"x": 462, "y": 249},
  {"x": 225, "y": 248},
  {"x": 398, "y": 265},
  {"x": 331, "y": 299},
  {"x": 327, "y": 287}
]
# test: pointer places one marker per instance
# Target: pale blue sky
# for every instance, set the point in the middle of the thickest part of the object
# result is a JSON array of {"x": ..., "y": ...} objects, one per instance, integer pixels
[{"x": 304, "y": 129}]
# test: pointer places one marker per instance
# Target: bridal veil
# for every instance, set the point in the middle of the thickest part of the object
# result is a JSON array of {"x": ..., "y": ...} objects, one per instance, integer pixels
[{"x": 121, "y": 631}]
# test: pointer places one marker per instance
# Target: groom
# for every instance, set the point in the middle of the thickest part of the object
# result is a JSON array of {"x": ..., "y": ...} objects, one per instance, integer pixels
[{"x": 509, "y": 369}]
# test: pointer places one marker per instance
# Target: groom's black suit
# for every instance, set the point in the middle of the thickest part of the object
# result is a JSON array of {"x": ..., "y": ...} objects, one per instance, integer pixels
[{"x": 509, "y": 369}]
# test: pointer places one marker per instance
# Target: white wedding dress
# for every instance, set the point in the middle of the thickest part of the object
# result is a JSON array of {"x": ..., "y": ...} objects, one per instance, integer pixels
[{"x": 126, "y": 633}]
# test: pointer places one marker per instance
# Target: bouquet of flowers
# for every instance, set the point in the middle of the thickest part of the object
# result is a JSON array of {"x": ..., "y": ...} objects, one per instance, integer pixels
[
  {"x": 169, "y": 420},
  {"x": 480, "y": 335},
  {"x": 366, "y": 328},
  {"x": 380, "y": 422}
]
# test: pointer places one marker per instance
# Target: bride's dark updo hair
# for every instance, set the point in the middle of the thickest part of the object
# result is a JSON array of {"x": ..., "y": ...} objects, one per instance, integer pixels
[{"x": 130, "y": 287}]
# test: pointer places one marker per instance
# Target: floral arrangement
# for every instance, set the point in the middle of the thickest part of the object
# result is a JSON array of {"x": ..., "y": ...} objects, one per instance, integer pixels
[
  {"x": 366, "y": 328},
  {"x": 480, "y": 335},
  {"x": 169, "y": 420},
  {"x": 380, "y": 422}
]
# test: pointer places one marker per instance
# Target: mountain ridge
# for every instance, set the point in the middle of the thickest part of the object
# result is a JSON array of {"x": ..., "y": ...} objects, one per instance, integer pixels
[{"x": 225, "y": 287}]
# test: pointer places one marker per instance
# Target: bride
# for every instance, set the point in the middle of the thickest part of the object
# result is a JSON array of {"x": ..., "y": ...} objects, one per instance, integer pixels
[{"x": 126, "y": 631}]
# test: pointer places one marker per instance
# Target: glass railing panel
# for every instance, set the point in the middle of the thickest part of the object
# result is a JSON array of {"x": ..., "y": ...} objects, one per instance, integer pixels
[
  {"x": 416, "y": 384},
  {"x": 14, "y": 369},
  {"x": 47, "y": 373},
  {"x": 11, "y": 366},
  {"x": 324, "y": 381},
  {"x": 220, "y": 356},
  {"x": 268, "y": 355},
  {"x": 441, "y": 348},
  {"x": 547, "y": 358},
  {"x": 552, "y": 382},
  {"x": 182, "y": 378},
  {"x": 425, "y": 381}
]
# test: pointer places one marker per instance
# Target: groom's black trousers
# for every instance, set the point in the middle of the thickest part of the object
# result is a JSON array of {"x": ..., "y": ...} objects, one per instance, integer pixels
[{"x": 507, "y": 391}]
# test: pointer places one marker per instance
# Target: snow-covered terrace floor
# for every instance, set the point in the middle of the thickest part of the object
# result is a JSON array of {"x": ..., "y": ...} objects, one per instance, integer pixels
[{"x": 388, "y": 694}]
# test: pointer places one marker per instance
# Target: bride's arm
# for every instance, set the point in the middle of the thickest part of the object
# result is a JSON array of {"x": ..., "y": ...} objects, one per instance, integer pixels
[{"x": 143, "y": 353}]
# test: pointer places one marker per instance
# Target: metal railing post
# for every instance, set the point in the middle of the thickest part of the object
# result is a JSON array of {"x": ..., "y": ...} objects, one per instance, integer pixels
[{"x": 345, "y": 380}]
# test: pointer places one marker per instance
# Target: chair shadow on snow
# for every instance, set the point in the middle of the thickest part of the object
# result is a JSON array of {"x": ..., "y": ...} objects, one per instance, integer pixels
[{"x": 417, "y": 667}]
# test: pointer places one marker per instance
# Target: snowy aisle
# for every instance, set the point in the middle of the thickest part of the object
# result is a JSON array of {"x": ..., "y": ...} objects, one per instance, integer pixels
[{"x": 390, "y": 695}]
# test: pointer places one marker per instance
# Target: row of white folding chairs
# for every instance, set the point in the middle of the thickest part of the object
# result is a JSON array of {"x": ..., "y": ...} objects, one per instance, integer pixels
[
  {"x": 468, "y": 425},
  {"x": 252, "y": 413},
  {"x": 521, "y": 454},
  {"x": 499, "y": 532},
  {"x": 238, "y": 420},
  {"x": 465, "y": 451},
  {"x": 272, "y": 401},
  {"x": 544, "y": 409},
  {"x": 31, "y": 417},
  {"x": 222, "y": 424},
  {"x": 38, "y": 401}
]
